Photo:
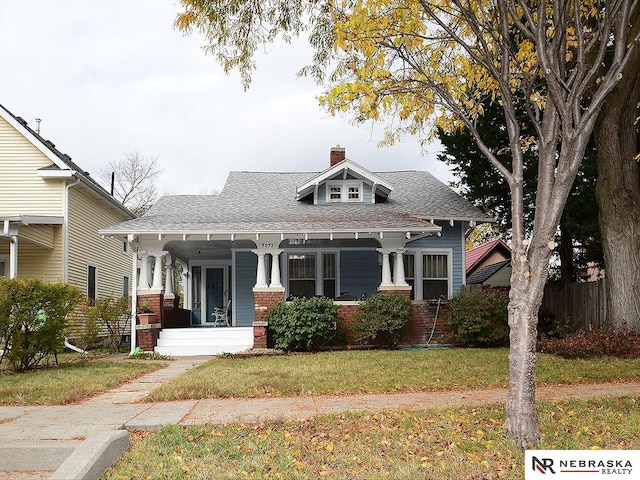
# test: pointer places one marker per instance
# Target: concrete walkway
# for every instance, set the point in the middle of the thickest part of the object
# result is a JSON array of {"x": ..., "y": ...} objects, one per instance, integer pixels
[{"x": 78, "y": 441}]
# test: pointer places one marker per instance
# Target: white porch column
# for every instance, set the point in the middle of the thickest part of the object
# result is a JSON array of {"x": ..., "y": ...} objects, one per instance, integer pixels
[
  {"x": 13, "y": 256},
  {"x": 276, "y": 280},
  {"x": 157, "y": 272},
  {"x": 143, "y": 282},
  {"x": 134, "y": 295},
  {"x": 169, "y": 289},
  {"x": 261, "y": 274},
  {"x": 386, "y": 267},
  {"x": 398, "y": 274}
]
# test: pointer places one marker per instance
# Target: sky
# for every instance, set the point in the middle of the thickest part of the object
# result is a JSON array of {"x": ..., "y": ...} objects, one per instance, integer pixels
[{"x": 112, "y": 77}]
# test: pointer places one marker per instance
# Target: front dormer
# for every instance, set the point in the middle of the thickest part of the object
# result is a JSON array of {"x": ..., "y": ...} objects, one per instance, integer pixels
[{"x": 344, "y": 182}]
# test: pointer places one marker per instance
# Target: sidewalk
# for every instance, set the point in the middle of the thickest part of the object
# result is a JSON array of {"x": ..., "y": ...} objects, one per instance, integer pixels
[{"x": 48, "y": 438}]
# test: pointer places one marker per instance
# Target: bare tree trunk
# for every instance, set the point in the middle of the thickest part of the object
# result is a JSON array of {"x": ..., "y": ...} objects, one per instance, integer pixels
[
  {"x": 618, "y": 194},
  {"x": 527, "y": 289}
]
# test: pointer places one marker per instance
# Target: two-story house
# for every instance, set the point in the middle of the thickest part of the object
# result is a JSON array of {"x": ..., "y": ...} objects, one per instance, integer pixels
[{"x": 50, "y": 214}]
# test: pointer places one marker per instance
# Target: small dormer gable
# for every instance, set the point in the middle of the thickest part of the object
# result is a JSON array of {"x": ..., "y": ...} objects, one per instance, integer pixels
[{"x": 344, "y": 182}]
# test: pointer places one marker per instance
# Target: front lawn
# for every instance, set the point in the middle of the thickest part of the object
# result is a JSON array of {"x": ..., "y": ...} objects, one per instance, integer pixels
[
  {"x": 70, "y": 382},
  {"x": 448, "y": 443},
  {"x": 373, "y": 371}
]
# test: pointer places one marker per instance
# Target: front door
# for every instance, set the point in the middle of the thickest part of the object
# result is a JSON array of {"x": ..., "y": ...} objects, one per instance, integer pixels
[{"x": 215, "y": 291}]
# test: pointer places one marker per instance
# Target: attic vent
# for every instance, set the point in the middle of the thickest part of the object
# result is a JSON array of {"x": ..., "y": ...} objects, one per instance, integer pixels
[
  {"x": 21, "y": 121},
  {"x": 49, "y": 144}
]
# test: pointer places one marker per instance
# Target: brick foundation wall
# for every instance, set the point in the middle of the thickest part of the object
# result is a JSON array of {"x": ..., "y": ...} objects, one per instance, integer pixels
[
  {"x": 421, "y": 323},
  {"x": 263, "y": 300},
  {"x": 418, "y": 329}
]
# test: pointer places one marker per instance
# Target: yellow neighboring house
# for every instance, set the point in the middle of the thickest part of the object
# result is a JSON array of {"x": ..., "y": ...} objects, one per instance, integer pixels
[{"x": 50, "y": 214}]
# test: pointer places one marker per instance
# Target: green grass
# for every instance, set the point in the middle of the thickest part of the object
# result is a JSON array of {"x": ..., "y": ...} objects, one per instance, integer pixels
[
  {"x": 352, "y": 372},
  {"x": 444, "y": 443},
  {"x": 69, "y": 382}
]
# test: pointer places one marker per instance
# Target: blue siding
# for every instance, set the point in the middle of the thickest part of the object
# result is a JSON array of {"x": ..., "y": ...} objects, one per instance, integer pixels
[
  {"x": 366, "y": 193},
  {"x": 359, "y": 272},
  {"x": 451, "y": 238},
  {"x": 246, "y": 267},
  {"x": 322, "y": 194}
]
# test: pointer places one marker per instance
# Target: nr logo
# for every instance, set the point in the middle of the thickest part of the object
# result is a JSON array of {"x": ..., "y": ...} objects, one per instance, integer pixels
[{"x": 542, "y": 465}]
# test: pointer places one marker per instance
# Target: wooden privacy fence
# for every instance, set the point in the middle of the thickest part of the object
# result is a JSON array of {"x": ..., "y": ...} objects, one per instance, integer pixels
[{"x": 583, "y": 303}]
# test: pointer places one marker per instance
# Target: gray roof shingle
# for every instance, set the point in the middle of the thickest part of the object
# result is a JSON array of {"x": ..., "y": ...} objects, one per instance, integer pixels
[{"x": 265, "y": 202}]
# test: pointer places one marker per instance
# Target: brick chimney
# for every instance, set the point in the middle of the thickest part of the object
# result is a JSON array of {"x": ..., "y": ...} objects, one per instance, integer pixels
[{"x": 337, "y": 155}]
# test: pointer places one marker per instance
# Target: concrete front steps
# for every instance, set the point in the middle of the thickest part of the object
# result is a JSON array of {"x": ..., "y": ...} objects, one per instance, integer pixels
[{"x": 180, "y": 342}]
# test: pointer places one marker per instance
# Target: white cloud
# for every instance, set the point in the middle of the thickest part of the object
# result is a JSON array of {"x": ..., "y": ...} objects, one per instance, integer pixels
[{"x": 110, "y": 77}]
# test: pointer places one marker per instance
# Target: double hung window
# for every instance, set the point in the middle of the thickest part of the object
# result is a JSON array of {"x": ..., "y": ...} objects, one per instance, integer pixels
[
  {"x": 428, "y": 273},
  {"x": 435, "y": 276},
  {"x": 312, "y": 273},
  {"x": 302, "y": 275}
]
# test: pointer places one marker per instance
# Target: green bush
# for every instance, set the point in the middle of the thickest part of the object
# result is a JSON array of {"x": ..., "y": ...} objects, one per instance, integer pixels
[
  {"x": 479, "y": 318},
  {"x": 303, "y": 324},
  {"x": 33, "y": 317},
  {"x": 382, "y": 318}
]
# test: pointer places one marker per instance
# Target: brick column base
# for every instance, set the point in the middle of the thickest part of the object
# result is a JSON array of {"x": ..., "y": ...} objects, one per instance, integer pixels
[
  {"x": 156, "y": 304},
  {"x": 264, "y": 298},
  {"x": 147, "y": 336}
]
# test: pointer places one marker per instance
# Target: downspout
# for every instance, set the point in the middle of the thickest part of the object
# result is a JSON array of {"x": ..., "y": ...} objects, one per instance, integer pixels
[
  {"x": 66, "y": 227},
  {"x": 134, "y": 291}
]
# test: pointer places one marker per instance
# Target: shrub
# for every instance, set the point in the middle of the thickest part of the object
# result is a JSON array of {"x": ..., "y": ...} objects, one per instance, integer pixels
[
  {"x": 83, "y": 326},
  {"x": 108, "y": 314},
  {"x": 303, "y": 324},
  {"x": 114, "y": 315},
  {"x": 479, "y": 318},
  {"x": 382, "y": 318},
  {"x": 599, "y": 342},
  {"x": 33, "y": 317}
]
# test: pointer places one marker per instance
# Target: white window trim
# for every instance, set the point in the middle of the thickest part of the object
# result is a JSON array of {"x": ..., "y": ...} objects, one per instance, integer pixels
[
  {"x": 417, "y": 268},
  {"x": 319, "y": 275},
  {"x": 344, "y": 191}
]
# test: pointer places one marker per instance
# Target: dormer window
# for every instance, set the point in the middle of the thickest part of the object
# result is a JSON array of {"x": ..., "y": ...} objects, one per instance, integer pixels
[
  {"x": 335, "y": 193},
  {"x": 344, "y": 191}
]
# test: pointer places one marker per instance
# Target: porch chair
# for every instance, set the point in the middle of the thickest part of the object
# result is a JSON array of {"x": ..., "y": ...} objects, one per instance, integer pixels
[{"x": 221, "y": 315}]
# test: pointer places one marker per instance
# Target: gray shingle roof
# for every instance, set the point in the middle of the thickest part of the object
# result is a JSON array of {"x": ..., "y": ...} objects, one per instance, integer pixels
[
  {"x": 484, "y": 273},
  {"x": 265, "y": 202}
]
